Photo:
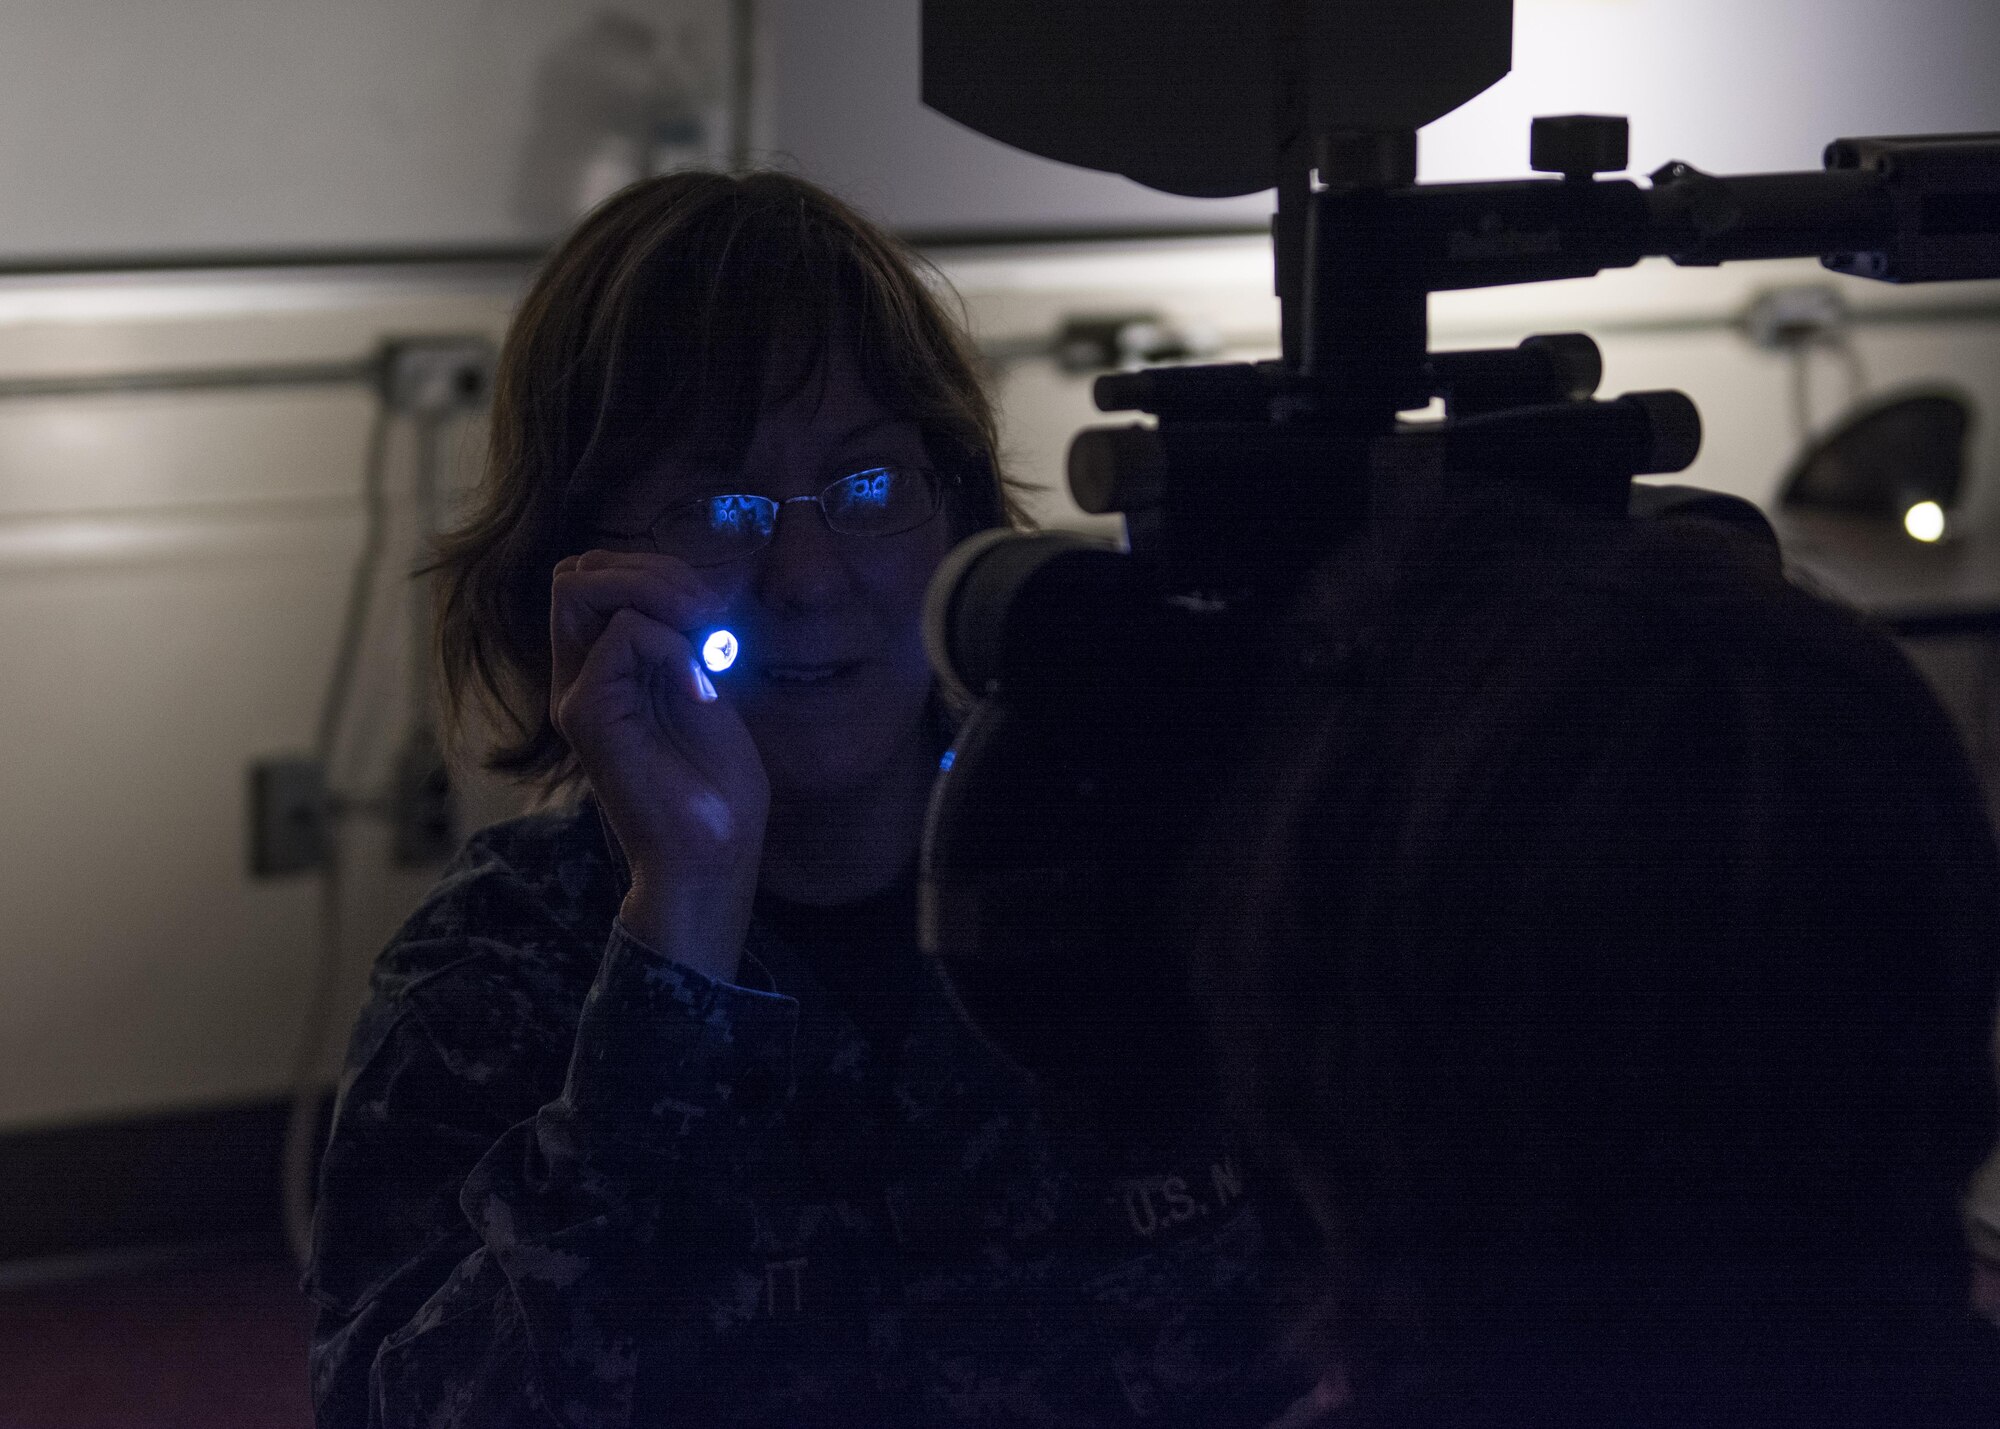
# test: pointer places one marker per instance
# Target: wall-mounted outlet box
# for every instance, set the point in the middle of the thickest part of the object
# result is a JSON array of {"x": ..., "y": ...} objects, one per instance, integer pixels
[
  {"x": 289, "y": 815},
  {"x": 435, "y": 375}
]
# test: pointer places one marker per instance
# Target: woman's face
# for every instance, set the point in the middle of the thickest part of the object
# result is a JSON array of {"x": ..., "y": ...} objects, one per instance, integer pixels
[{"x": 832, "y": 682}]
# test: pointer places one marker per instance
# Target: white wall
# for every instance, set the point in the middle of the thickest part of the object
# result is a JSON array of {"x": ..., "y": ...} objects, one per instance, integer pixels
[
  {"x": 1732, "y": 86},
  {"x": 1728, "y": 85},
  {"x": 189, "y": 126},
  {"x": 173, "y": 568},
  {"x": 192, "y": 126}
]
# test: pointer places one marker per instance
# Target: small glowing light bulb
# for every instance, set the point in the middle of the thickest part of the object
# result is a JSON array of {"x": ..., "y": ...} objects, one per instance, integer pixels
[
  {"x": 1924, "y": 521},
  {"x": 718, "y": 651}
]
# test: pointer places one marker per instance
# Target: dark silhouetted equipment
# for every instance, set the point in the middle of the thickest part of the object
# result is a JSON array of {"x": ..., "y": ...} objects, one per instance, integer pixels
[
  {"x": 1881, "y": 461},
  {"x": 1112, "y": 688}
]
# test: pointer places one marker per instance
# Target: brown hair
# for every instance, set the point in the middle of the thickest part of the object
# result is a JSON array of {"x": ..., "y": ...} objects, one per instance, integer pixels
[{"x": 654, "y": 326}]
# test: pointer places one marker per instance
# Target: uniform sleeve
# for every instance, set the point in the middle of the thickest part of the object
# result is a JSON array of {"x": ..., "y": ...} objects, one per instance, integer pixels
[{"x": 481, "y": 1261}]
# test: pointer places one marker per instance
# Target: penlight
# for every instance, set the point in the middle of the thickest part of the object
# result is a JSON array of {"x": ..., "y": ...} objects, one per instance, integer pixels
[{"x": 719, "y": 651}]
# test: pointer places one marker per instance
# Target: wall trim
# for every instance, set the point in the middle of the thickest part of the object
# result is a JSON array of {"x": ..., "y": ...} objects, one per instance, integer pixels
[{"x": 190, "y": 1178}]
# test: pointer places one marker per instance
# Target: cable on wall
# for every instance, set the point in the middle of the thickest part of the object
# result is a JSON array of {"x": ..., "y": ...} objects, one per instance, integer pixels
[{"x": 428, "y": 383}]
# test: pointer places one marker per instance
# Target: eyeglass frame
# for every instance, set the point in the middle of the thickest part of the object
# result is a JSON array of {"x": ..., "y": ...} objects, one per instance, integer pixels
[{"x": 935, "y": 482}]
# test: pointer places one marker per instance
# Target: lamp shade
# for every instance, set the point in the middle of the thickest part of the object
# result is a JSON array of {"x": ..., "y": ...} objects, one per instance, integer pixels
[{"x": 1889, "y": 456}]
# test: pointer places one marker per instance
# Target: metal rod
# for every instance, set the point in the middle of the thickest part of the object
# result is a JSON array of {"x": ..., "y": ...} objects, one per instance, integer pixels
[
  {"x": 366, "y": 372},
  {"x": 1860, "y": 317},
  {"x": 426, "y": 500},
  {"x": 53, "y": 265}
]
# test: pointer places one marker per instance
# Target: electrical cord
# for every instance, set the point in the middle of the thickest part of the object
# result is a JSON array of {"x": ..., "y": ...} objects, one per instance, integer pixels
[
  {"x": 1841, "y": 344},
  {"x": 302, "y": 1122}
]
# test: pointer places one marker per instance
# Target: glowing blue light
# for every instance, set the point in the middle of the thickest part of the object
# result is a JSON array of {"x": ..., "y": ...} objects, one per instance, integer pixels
[
  {"x": 737, "y": 514},
  {"x": 866, "y": 488},
  {"x": 718, "y": 651},
  {"x": 949, "y": 756}
]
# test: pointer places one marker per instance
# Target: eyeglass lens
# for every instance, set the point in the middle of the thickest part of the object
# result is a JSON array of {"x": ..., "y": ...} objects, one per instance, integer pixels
[{"x": 881, "y": 501}]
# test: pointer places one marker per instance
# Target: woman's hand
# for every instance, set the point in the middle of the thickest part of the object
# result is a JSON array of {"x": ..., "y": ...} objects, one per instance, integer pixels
[{"x": 675, "y": 772}]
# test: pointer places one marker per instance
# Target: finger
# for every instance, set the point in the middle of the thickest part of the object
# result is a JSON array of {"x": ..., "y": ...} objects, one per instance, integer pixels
[
  {"x": 619, "y": 675},
  {"x": 642, "y": 670},
  {"x": 583, "y": 601},
  {"x": 669, "y": 587},
  {"x": 670, "y": 571},
  {"x": 668, "y": 566},
  {"x": 615, "y": 685}
]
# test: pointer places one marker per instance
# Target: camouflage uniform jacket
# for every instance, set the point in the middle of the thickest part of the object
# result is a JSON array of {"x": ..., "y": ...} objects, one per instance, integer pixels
[{"x": 571, "y": 1182}]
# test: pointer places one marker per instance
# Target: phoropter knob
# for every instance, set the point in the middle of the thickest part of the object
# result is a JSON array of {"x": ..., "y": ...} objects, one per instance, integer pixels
[{"x": 1579, "y": 146}]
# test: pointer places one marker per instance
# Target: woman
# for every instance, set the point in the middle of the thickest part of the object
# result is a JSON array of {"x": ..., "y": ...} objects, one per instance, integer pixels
[
  {"x": 1621, "y": 924},
  {"x": 656, "y": 1115}
]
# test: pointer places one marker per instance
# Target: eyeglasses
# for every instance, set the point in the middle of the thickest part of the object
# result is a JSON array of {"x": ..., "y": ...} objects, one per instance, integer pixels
[{"x": 715, "y": 530}]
